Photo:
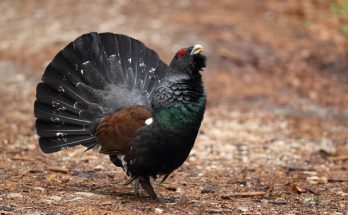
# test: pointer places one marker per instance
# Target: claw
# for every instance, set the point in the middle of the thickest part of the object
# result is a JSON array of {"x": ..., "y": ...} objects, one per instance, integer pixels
[{"x": 129, "y": 181}]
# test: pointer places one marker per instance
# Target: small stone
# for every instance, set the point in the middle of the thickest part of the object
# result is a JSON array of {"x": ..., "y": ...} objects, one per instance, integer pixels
[
  {"x": 158, "y": 210},
  {"x": 342, "y": 193},
  {"x": 39, "y": 189},
  {"x": 55, "y": 198},
  {"x": 313, "y": 200},
  {"x": 208, "y": 189},
  {"x": 98, "y": 168},
  {"x": 243, "y": 209},
  {"x": 47, "y": 201},
  {"x": 317, "y": 180},
  {"x": 7, "y": 208},
  {"x": 278, "y": 201},
  {"x": 264, "y": 201},
  {"x": 327, "y": 147},
  {"x": 14, "y": 195},
  {"x": 87, "y": 194}
]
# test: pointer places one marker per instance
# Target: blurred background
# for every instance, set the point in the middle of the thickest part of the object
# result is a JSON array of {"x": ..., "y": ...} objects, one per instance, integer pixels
[{"x": 277, "y": 117}]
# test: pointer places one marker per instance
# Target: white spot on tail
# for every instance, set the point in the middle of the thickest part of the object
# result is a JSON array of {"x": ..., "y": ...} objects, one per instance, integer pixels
[
  {"x": 59, "y": 134},
  {"x": 62, "y": 108},
  {"x": 148, "y": 121},
  {"x": 81, "y": 71},
  {"x": 124, "y": 163},
  {"x": 130, "y": 60},
  {"x": 152, "y": 69},
  {"x": 64, "y": 147},
  {"x": 54, "y": 119},
  {"x": 84, "y": 63},
  {"x": 55, "y": 104}
]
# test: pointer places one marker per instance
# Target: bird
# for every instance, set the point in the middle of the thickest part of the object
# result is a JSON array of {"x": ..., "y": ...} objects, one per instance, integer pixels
[{"x": 112, "y": 92}]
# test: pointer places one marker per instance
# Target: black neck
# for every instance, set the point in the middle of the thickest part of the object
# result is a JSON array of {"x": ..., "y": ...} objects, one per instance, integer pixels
[{"x": 178, "y": 89}]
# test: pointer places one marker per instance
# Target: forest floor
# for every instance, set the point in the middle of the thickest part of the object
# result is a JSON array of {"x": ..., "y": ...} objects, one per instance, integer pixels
[{"x": 274, "y": 139}]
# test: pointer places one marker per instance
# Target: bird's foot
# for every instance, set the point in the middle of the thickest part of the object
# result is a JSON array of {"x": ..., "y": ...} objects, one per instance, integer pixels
[
  {"x": 162, "y": 199},
  {"x": 136, "y": 187}
]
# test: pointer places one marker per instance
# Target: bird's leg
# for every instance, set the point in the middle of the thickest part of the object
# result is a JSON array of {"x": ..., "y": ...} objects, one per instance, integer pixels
[
  {"x": 136, "y": 186},
  {"x": 164, "y": 178},
  {"x": 146, "y": 185}
]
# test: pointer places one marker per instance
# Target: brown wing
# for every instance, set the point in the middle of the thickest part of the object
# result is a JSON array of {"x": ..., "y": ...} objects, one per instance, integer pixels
[{"x": 116, "y": 132}]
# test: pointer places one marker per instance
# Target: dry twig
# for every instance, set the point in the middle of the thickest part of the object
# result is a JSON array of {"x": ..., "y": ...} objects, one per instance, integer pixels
[
  {"x": 17, "y": 158},
  {"x": 57, "y": 169},
  {"x": 243, "y": 195},
  {"x": 339, "y": 158}
]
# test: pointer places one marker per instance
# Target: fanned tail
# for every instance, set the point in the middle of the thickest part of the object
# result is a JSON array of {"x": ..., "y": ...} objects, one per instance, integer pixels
[{"x": 93, "y": 76}]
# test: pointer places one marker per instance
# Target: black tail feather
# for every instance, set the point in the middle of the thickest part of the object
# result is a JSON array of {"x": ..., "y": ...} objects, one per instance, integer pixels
[
  {"x": 50, "y": 97},
  {"x": 52, "y": 115},
  {"x": 50, "y": 145},
  {"x": 91, "y": 50},
  {"x": 63, "y": 86},
  {"x": 47, "y": 129}
]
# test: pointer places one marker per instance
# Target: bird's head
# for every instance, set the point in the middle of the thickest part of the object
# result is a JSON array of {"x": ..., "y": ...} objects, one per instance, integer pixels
[{"x": 189, "y": 60}]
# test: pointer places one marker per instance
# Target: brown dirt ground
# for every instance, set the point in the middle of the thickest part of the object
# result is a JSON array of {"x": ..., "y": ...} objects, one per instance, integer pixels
[{"x": 276, "y": 127}]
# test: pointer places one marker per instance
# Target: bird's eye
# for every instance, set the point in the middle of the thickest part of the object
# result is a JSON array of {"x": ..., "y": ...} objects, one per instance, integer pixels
[{"x": 181, "y": 53}]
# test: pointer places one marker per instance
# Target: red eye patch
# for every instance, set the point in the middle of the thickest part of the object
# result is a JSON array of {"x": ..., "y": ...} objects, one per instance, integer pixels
[{"x": 181, "y": 52}]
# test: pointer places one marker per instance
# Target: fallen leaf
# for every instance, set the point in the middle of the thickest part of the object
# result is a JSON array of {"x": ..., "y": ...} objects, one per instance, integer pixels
[{"x": 296, "y": 188}]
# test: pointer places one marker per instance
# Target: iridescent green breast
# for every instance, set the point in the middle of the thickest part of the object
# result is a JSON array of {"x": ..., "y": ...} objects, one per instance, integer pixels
[{"x": 181, "y": 117}]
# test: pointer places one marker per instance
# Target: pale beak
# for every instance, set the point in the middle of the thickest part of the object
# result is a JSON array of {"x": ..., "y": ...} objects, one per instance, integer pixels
[{"x": 197, "y": 49}]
